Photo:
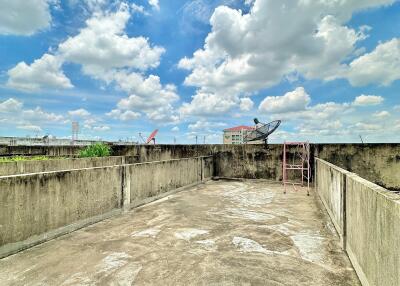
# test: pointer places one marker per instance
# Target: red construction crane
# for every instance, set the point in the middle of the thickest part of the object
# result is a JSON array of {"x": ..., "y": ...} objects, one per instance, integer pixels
[{"x": 152, "y": 137}]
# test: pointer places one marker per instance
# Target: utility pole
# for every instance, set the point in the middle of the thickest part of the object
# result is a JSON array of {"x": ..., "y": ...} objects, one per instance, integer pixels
[
  {"x": 204, "y": 139},
  {"x": 196, "y": 139}
]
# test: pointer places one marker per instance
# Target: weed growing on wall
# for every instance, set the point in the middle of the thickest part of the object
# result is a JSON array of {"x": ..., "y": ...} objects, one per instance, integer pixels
[
  {"x": 25, "y": 158},
  {"x": 95, "y": 150}
]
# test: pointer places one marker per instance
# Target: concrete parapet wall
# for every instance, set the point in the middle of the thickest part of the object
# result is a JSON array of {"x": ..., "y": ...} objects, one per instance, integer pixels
[
  {"x": 155, "y": 178},
  {"x": 250, "y": 161},
  {"x": 367, "y": 218},
  {"x": 35, "y": 204},
  {"x": 41, "y": 206},
  {"x": 330, "y": 182},
  {"x": 373, "y": 232},
  {"x": 378, "y": 163},
  {"x": 27, "y": 167}
]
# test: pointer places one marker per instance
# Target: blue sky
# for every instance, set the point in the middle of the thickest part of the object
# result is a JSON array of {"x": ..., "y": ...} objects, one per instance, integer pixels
[{"x": 329, "y": 69}]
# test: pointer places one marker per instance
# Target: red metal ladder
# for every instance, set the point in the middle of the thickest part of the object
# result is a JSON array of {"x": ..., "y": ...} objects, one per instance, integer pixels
[{"x": 300, "y": 162}]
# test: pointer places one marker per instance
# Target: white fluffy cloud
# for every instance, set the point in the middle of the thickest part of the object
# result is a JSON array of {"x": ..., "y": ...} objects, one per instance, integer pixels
[
  {"x": 334, "y": 122},
  {"x": 381, "y": 114},
  {"x": 362, "y": 126},
  {"x": 147, "y": 95},
  {"x": 368, "y": 100},
  {"x": 108, "y": 54},
  {"x": 248, "y": 52},
  {"x": 12, "y": 113},
  {"x": 205, "y": 125},
  {"x": 251, "y": 51},
  {"x": 208, "y": 103},
  {"x": 42, "y": 73},
  {"x": 103, "y": 45},
  {"x": 105, "y": 52},
  {"x": 296, "y": 100},
  {"x": 101, "y": 128},
  {"x": 10, "y": 105},
  {"x": 154, "y": 4},
  {"x": 39, "y": 115},
  {"x": 381, "y": 66},
  {"x": 246, "y": 104},
  {"x": 24, "y": 17},
  {"x": 81, "y": 112},
  {"x": 124, "y": 116},
  {"x": 30, "y": 127}
]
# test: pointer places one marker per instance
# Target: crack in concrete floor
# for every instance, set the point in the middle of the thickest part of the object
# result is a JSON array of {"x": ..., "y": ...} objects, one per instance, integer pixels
[{"x": 219, "y": 233}]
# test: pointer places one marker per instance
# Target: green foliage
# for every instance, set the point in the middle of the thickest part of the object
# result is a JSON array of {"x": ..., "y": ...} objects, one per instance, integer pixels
[
  {"x": 95, "y": 150},
  {"x": 25, "y": 158}
]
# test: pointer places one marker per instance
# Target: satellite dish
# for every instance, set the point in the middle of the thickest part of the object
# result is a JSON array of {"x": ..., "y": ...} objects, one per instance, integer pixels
[
  {"x": 152, "y": 137},
  {"x": 261, "y": 131}
]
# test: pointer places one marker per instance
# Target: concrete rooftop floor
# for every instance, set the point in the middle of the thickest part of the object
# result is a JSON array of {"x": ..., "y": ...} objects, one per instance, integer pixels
[{"x": 218, "y": 233}]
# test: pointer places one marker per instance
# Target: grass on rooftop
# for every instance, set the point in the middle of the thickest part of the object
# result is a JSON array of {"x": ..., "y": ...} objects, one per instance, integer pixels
[{"x": 27, "y": 158}]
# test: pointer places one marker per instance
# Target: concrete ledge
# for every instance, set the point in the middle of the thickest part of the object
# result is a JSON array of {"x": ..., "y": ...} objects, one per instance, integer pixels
[
  {"x": 371, "y": 222},
  {"x": 331, "y": 188},
  {"x": 373, "y": 227},
  {"x": 66, "y": 164},
  {"x": 41, "y": 206}
]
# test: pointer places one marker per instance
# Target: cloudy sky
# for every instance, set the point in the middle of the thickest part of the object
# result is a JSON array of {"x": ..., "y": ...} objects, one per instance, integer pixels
[{"x": 329, "y": 69}]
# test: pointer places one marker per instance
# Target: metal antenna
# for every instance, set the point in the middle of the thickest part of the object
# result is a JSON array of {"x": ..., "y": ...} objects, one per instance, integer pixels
[
  {"x": 75, "y": 131},
  {"x": 141, "y": 137}
]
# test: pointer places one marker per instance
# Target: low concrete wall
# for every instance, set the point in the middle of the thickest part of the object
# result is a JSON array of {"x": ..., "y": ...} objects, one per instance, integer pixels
[
  {"x": 367, "y": 217},
  {"x": 41, "y": 206},
  {"x": 373, "y": 232},
  {"x": 35, "y": 206},
  {"x": 155, "y": 178},
  {"x": 250, "y": 161},
  {"x": 56, "y": 151},
  {"x": 27, "y": 167},
  {"x": 330, "y": 184},
  {"x": 378, "y": 163}
]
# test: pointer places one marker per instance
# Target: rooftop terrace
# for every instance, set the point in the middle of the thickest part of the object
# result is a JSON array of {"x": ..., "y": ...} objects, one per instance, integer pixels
[
  {"x": 200, "y": 215},
  {"x": 218, "y": 233}
]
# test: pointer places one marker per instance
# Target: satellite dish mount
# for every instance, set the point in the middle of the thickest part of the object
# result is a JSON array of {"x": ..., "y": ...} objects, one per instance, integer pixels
[{"x": 261, "y": 131}]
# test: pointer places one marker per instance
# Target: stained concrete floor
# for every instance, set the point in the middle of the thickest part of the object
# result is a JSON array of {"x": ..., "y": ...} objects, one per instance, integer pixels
[{"x": 219, "y": 233}]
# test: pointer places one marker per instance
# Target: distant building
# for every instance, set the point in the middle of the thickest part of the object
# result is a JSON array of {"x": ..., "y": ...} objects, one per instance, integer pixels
[{"x": 236, "y": 134}]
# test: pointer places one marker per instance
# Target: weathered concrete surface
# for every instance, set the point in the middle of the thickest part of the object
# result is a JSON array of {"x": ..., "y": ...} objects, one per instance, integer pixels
[
  {"x": 220, "y": 233},
  {"x": 41, "y": 206},
  {"x": 154, "y": 178},
  {"x": 330, "y": 185},
  {"x": 373, "y": 232},
  {"x": 378, "y": 163},
  {"x": 27, "y": 167},
  {"x": 34, "y": 206}
]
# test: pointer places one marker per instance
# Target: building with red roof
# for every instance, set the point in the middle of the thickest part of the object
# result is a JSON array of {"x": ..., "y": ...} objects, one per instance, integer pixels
[{"x": 235, "y": 135}]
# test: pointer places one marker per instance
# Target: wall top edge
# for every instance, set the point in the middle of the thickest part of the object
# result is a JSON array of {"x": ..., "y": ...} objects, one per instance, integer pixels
[
  {"x": 95, "y": 168},
  {"x": 337, "y": 168}
]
